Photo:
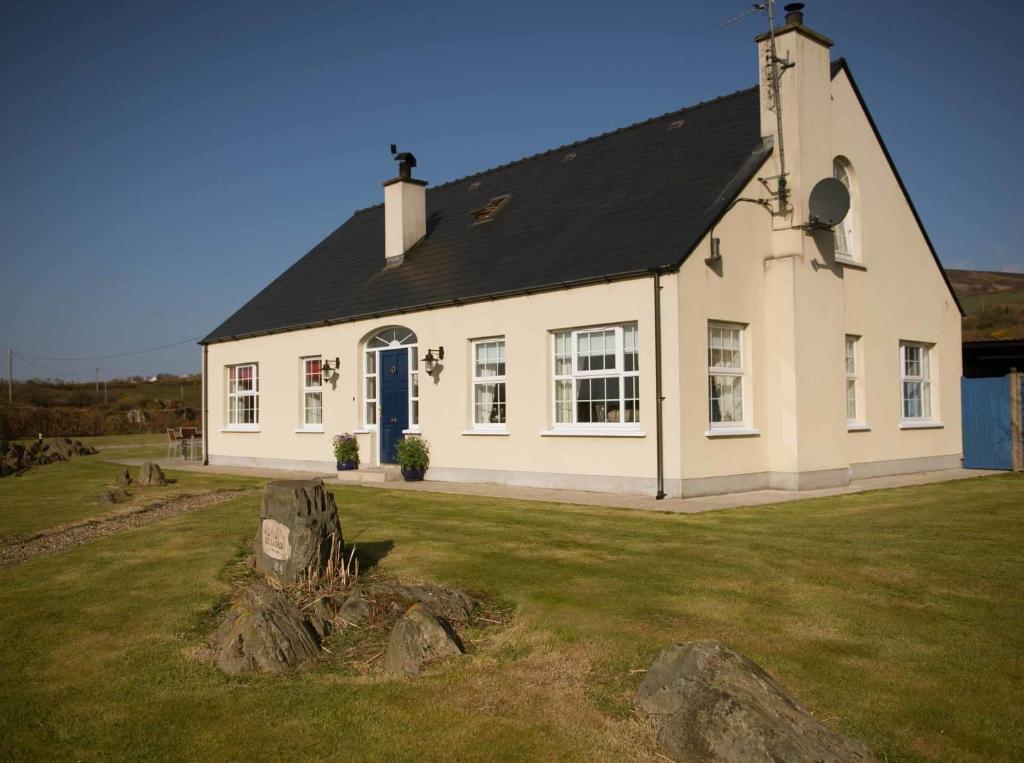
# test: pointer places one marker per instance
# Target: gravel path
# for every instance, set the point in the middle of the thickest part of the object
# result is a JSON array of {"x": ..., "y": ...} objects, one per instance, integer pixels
[{"x": 55, "y": 541}]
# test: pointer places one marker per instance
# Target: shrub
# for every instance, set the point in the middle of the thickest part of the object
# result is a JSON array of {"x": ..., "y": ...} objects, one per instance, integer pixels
[
  {"x": 413, "y": 453},
  {"x": 345, "y": 448}
]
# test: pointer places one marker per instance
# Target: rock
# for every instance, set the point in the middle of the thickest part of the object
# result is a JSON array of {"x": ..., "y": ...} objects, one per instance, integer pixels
[
  {"x": 712, "y": 704},
  {"x": 265, "y": 632},
  {"x": 114, "y": 495},
  {"x": 453, "y": 606},
  {"x": 6, "y": 468},
  {"x": 124, "y": 479},
  {"x": 299, "y": 531},
  {"x": 151, "y": 474},
  {"x": 354, "y": 609},
  {"x": 418, "y": 639}
]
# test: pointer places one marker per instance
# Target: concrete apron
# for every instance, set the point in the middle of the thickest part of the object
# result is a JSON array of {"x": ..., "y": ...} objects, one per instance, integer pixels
[{"x": 584, "y": 498}]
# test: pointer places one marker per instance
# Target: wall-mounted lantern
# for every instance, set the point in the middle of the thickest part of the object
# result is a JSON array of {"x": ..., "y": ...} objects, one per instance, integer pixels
[
  {"x": 327, "y": 370},
  {"x": 430, "y": 360}
]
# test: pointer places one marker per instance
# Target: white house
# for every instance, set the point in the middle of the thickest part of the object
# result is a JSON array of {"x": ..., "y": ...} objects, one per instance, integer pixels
[{"x": 653, "y": 310}]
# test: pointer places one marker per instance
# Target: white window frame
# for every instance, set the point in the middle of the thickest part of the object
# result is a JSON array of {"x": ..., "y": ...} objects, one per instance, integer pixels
[
  {"x": 374, "y": 400},
  {"x": 307, "y": 389},
  {"x": 476, "y": 381},
  {"x": 233, "y": 393},
  {"x": 742, "y": 427},
  {"x": 853, "y": 375},
  {"x": 923, "y": 378},
  {"x": 842, "y": 171},
  {"x": 576, "y": 374}
]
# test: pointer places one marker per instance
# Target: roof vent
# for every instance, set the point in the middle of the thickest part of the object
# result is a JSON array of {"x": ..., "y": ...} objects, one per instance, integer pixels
[
  {"x": 677, "y": 124},
  {"x": 474, "y": 185},
  {"x": 794, "y": 13},
  {"x": 569, "y": 156},
  {"x": 487, "y": 212}
]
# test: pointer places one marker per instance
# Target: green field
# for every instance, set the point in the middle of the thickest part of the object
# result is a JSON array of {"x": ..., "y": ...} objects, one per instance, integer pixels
[{"x": 897, "y": 616}]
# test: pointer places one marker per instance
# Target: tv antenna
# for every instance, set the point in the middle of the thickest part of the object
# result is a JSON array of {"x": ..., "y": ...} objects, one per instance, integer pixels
[{"x": 774, "y": 67}]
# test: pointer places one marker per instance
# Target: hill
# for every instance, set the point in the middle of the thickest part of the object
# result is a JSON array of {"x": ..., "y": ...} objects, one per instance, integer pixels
[{"x": 993, "y": 303}]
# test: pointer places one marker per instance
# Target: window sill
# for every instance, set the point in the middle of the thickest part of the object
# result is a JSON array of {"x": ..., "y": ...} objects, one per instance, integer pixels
[
  {"x": 596, "y": 432},
  {"x": 417, "y": 430},
  {"x": 251, "y": 428},
  {"x": 733, "y": 432},
  {"x": 309, "y": 430},
  {"x": 485, "y": 432},
  {"x": 856, "y": 427},
  {"x": 921, "y": 424},
  {"x": 850, "y": 262},
  {"x": 371, "y": 430}
]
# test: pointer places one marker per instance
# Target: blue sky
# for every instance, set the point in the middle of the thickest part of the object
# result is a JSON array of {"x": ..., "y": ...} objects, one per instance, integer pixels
[{"x": 163, "y": 161}]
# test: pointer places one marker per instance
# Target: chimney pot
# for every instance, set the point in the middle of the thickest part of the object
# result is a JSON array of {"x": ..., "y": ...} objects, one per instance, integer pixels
[{"x": 794, "y": 13}]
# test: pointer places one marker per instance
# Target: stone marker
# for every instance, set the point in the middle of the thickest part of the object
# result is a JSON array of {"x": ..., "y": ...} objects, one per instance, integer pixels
[
  {"x": 418, "y": 639},
  {"x": 299, "y": 530},
  {"x": 712, "y": 704},
  {"x": 265, "y": 632},
  {"x": 124, "y": 479},
  {"x": 151, "y": 474}
]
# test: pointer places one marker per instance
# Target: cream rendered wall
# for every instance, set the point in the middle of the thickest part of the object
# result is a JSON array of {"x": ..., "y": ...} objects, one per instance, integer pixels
[
  {"x": 899, "y": 294},
  {"x": 524, "y": 456}
]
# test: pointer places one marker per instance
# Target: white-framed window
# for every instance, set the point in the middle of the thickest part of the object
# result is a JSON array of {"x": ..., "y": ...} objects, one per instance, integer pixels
[
  {"x": 726, "y": 376},
  {"x": 489, "y": 395},
  {"x": 388, "y": 339},
  {"x": 844, "y": 232},
  {"x": 853, "y": 386},
  {"x": 596, "y": 377},
  {"x": 243, "y": 396},
  {"x": 915, "y": 381},
  {"x": 312, "y": 394}
]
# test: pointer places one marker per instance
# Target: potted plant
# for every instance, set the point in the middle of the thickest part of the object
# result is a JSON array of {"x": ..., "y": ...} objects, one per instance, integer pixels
[
  {"x": 346, "y": 452},
  {"x": 413, "y": 455}
]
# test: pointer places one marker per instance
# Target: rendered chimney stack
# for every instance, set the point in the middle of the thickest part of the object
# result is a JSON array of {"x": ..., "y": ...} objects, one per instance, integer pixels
[{"x": 405, "y": 210}]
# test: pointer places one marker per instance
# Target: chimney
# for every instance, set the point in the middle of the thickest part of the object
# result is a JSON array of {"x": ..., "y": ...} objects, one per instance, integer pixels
[
  {"x": 794, "y": 14},
  {"x": 405, "y": 210}
]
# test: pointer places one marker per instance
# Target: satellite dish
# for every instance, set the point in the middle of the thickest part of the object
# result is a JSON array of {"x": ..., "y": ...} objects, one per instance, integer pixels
[{"x": 829, "y": 203}]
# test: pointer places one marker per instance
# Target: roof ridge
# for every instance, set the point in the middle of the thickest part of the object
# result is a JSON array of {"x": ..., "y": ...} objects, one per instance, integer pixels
[{"x": 581, "y": 142}]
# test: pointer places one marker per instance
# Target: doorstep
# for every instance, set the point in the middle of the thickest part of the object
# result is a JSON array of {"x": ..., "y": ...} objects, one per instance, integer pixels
[{"x": 383, "y": 473}]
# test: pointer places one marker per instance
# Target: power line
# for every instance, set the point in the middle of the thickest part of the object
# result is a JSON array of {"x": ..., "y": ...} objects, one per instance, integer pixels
[
  {"x": 24, "y": 355},
  {"x": 23, "y": 359}
]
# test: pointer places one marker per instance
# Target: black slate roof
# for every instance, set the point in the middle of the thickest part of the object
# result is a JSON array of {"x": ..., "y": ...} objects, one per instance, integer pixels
[{"x": 629, "y": 201}]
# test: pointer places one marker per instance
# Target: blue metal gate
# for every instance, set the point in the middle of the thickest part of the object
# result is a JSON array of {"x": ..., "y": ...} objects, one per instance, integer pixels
[{"x": 988, "y": 428}]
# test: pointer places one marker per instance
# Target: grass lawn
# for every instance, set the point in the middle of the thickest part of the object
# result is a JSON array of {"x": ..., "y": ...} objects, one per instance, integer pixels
[
  {"x": 52, "y": 495},
  {"x": 897, "y": 616}
]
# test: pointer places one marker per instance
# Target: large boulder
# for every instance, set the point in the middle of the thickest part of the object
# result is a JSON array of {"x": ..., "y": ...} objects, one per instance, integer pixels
[
  {"x": 114, "y": 495},
  {"x": 151, "y": 475},
  {"x": 124, "y": 479},
  {"x": 299, "y": 534},
  {"x": 265, "y": 632},
  {"x": 453, "y": 606},
  {"x": 419, "y": 639},
  {"x": 712, "y": 704}
]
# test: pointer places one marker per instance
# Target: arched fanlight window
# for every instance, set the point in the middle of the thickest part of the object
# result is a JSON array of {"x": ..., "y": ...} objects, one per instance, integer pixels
[
  {"x": 844, "y": 233},
  {"x": 390, "y": 338}
]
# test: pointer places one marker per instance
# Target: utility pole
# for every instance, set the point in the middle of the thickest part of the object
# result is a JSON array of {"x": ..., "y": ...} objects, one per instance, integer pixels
[
  {"x": 104, "y": 392},
  {"x": 97, "y": 384},
  {"x": 10, "y": 376}
]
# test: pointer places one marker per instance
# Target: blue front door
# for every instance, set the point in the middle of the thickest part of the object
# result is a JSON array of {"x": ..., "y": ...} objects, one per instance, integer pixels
[{"x": 394, "y": 401}]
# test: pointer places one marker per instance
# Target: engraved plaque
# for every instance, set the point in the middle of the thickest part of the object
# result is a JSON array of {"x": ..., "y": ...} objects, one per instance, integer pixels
[{"x": 275, "y": 540}]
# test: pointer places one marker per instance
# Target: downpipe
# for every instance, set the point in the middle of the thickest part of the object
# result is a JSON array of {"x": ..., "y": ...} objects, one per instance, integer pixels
[
  {"x": 206, "y": 407},
  {"x": 659, "y": 398}
]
